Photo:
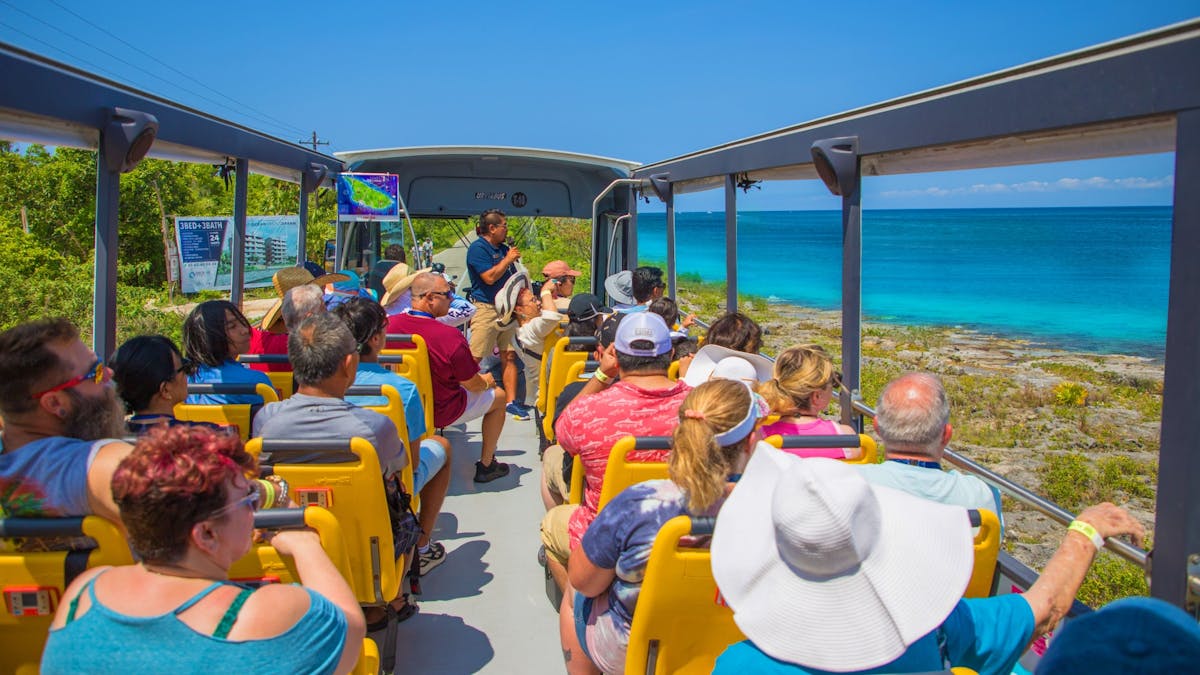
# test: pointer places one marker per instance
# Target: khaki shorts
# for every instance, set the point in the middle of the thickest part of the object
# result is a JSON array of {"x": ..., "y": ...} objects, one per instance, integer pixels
[
  {"x": 555, "y": 532},
  {"x": 486, "y": 335},
  {"x": 552, "y": 471}
]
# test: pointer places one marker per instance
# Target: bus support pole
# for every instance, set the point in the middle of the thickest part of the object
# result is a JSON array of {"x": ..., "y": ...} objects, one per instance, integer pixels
[
  {"x": 237, "y": 276},
  {"x": 731, "y": 301},
  {"x": 104, "y": 299},
  {"x": 1176, "y": 574},
  {"x": 837, "y": 163},
  {"x": 669, "y": 198}
]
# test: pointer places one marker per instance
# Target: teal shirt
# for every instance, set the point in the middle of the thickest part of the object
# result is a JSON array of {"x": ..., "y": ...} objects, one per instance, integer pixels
[
  {"x": 102, "y": 641},
  {"x": 414, "y": 412},
  {"x": 987, "y": 635}
]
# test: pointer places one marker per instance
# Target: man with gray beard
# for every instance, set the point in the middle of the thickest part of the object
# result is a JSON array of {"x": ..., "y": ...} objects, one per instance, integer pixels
[{"x": 62, "y": 420}]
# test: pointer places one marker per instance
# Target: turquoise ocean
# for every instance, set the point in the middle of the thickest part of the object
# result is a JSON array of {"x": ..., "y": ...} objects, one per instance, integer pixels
[{"x": 1086, "y": 279}]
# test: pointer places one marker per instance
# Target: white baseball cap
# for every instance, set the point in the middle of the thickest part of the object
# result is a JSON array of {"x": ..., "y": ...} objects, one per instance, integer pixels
[{"x": 643, "y": 334}]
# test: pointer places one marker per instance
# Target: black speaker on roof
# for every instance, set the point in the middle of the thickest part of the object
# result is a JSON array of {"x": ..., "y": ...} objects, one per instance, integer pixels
[{"x": 127, "y": 138}]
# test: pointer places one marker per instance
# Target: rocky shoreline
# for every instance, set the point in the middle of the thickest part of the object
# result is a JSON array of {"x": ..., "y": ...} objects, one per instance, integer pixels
[{"x": 1077, "y": 427}]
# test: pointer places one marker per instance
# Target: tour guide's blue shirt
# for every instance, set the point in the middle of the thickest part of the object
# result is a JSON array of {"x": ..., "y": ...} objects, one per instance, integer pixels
[
  {"x": 987, "y": 635},
  {"x": 481, "y": 257}
]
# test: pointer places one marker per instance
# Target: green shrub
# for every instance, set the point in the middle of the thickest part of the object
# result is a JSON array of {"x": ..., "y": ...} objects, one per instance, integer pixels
[
  {"x": 1070, "y": 394},
  {"x": 1068, "y": 479},
  {"x": 1120, "y": 475},
  {"x": 1111, "y": 578}
]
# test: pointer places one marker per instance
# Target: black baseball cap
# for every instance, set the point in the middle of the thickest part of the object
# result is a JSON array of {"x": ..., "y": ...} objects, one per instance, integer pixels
[{"x": 586, "y": 306}]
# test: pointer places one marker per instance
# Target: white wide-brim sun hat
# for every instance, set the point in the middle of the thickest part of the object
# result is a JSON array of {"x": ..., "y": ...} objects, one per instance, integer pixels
[
  {"x": 717, "y": 361},
  {"x": 827, "y": 571}
]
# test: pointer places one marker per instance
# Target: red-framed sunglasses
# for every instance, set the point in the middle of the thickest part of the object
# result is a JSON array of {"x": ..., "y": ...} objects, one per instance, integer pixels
[{"x": 97, "y": 373}]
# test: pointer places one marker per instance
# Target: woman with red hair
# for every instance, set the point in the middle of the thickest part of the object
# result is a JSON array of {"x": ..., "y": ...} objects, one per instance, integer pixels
[{"x": 189, "y": 508}]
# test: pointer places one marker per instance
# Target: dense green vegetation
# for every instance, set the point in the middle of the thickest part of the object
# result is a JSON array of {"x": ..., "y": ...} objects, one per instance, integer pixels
[{"x": 47, "y": 243}]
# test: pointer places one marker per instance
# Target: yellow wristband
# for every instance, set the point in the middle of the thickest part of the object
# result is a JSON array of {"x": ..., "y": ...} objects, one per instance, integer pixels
[
  {"x": 604, "y": 379},
  {"x": 267, "y": 490},
  {"x": 1087, "y": 531}
]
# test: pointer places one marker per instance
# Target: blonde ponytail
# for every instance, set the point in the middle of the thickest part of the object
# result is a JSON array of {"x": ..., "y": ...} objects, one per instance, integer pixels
[{"x": 698, "y": 465}]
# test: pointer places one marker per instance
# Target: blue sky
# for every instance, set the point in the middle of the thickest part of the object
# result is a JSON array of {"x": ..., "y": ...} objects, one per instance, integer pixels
[{"x": 641, "y": 82}]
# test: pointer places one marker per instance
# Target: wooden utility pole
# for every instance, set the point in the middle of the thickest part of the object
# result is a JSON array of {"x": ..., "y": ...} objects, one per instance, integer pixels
[{"x": 314, "y": 142}]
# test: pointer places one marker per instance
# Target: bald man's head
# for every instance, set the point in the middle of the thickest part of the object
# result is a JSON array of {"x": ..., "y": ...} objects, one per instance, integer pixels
[{"x": 912, "y": 414}]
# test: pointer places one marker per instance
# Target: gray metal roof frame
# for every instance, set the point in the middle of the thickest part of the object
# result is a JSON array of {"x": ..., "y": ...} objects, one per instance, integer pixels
[
  {"x": 467, "y": 172},
  {"x": 1136, "y": 95},
  {"x": 1112, "y": 99},
  {"x": 44, "y": 101}
]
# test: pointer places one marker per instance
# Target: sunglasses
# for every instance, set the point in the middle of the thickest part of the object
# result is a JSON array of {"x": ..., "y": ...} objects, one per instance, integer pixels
[
  {"x": 445, "y": 294},
  {"x": 187, "y": 367},
  {"x": 97, "y": 373},
  {"x": 253, "y": 499}
]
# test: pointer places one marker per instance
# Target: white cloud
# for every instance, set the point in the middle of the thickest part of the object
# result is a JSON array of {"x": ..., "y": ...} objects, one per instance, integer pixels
[{"x": 1060, "y": 185}]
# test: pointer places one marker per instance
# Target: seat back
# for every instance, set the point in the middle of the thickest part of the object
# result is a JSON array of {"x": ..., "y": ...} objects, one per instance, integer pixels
[
  {"x": 418, "y": 370},
  {"x": 231, "y": 414},
  {"x": 870, "y": 451},
  {"x": 262, "y": 564},
  {"x": 673, "y": 370},
  {"x": 394, "y": 410},
  {"x": 576, "y": 494},
  {"x": 622, "y": 472},
  {"x": 352, "y": 490},
  {"x": 33, "y": 583},
  {"x": 283, "y": 380},
  {"x": 560, "y": 363},
  {"x": 987, "y": 551},
  {"x": 548, "y": 343},
  {"x": 680, "y": 624}
]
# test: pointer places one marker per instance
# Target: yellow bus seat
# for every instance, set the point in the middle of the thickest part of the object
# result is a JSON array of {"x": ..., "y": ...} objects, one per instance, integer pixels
[
  {"x": 870, "y": 451},
  {"x": 368, "y": 659},
  {"x": 284, "y": 383},
  {"x": 673, "y": 370},
  {"x": 33, "y": 582},
  {"x": 576, "y": 495},
  {"x": 352, "y": 490},
  {"x": 987, "y": 551},
  {"x": 282, "y": 380},
  {"x": 263, "y": 564},
  {"x": 560, "y": 363},
  {"x": 544, "y": 376},
  {"x": 394, "y": 410},
  {"x": 622, "y": 472},
  {"x": 680, "y": 624},
  {"x": 232, "y": 414},
  {"x": 419, "y": 370}
]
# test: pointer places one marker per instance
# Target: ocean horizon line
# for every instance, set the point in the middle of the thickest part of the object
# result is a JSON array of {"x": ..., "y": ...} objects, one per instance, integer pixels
[{"x": 922, "y": 208}]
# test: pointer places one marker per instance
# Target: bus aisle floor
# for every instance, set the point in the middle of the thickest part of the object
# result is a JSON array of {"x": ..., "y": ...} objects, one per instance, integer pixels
[{"x": 485, "y": 608}]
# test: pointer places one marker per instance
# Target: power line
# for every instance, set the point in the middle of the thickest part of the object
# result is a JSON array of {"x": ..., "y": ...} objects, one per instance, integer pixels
[
  {"x": 133, "y": 65},
  {"x": 313, "y": 141},
  {"x": 60, "y": 50},
  {"x": 283, "y": 124}
]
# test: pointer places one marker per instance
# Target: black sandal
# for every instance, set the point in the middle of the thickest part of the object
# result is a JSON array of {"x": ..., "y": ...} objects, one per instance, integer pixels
[{"x": 402, "y": 614}]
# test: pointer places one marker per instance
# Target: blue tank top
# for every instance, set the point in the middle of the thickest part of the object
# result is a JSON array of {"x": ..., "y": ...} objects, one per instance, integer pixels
[
  {"x": 103, "y": 641},
  {"x": 47, "y": 478}
]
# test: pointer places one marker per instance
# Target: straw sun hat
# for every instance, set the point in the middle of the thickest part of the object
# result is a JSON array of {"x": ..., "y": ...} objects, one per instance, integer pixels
[
  {"x": 285, "y": 280},
  {"x": 397, "y": 280},
  {"x": 506, "y": 298},
  {"x": 827, "y": 571}
]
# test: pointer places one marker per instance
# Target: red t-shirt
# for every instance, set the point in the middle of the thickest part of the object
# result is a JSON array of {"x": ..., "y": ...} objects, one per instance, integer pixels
[
  {"x": 266, "y": 342},
  {"x": 590, "y": 426},
  {"x": 450, "y": 363}
]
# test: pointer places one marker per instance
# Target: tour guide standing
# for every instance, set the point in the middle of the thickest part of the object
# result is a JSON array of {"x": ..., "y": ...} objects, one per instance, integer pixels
[{"x": 490, "y": 263}]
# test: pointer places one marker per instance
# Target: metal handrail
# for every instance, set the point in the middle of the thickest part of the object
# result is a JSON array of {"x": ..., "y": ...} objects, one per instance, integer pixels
[{"x": 1024, "y": 496}]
